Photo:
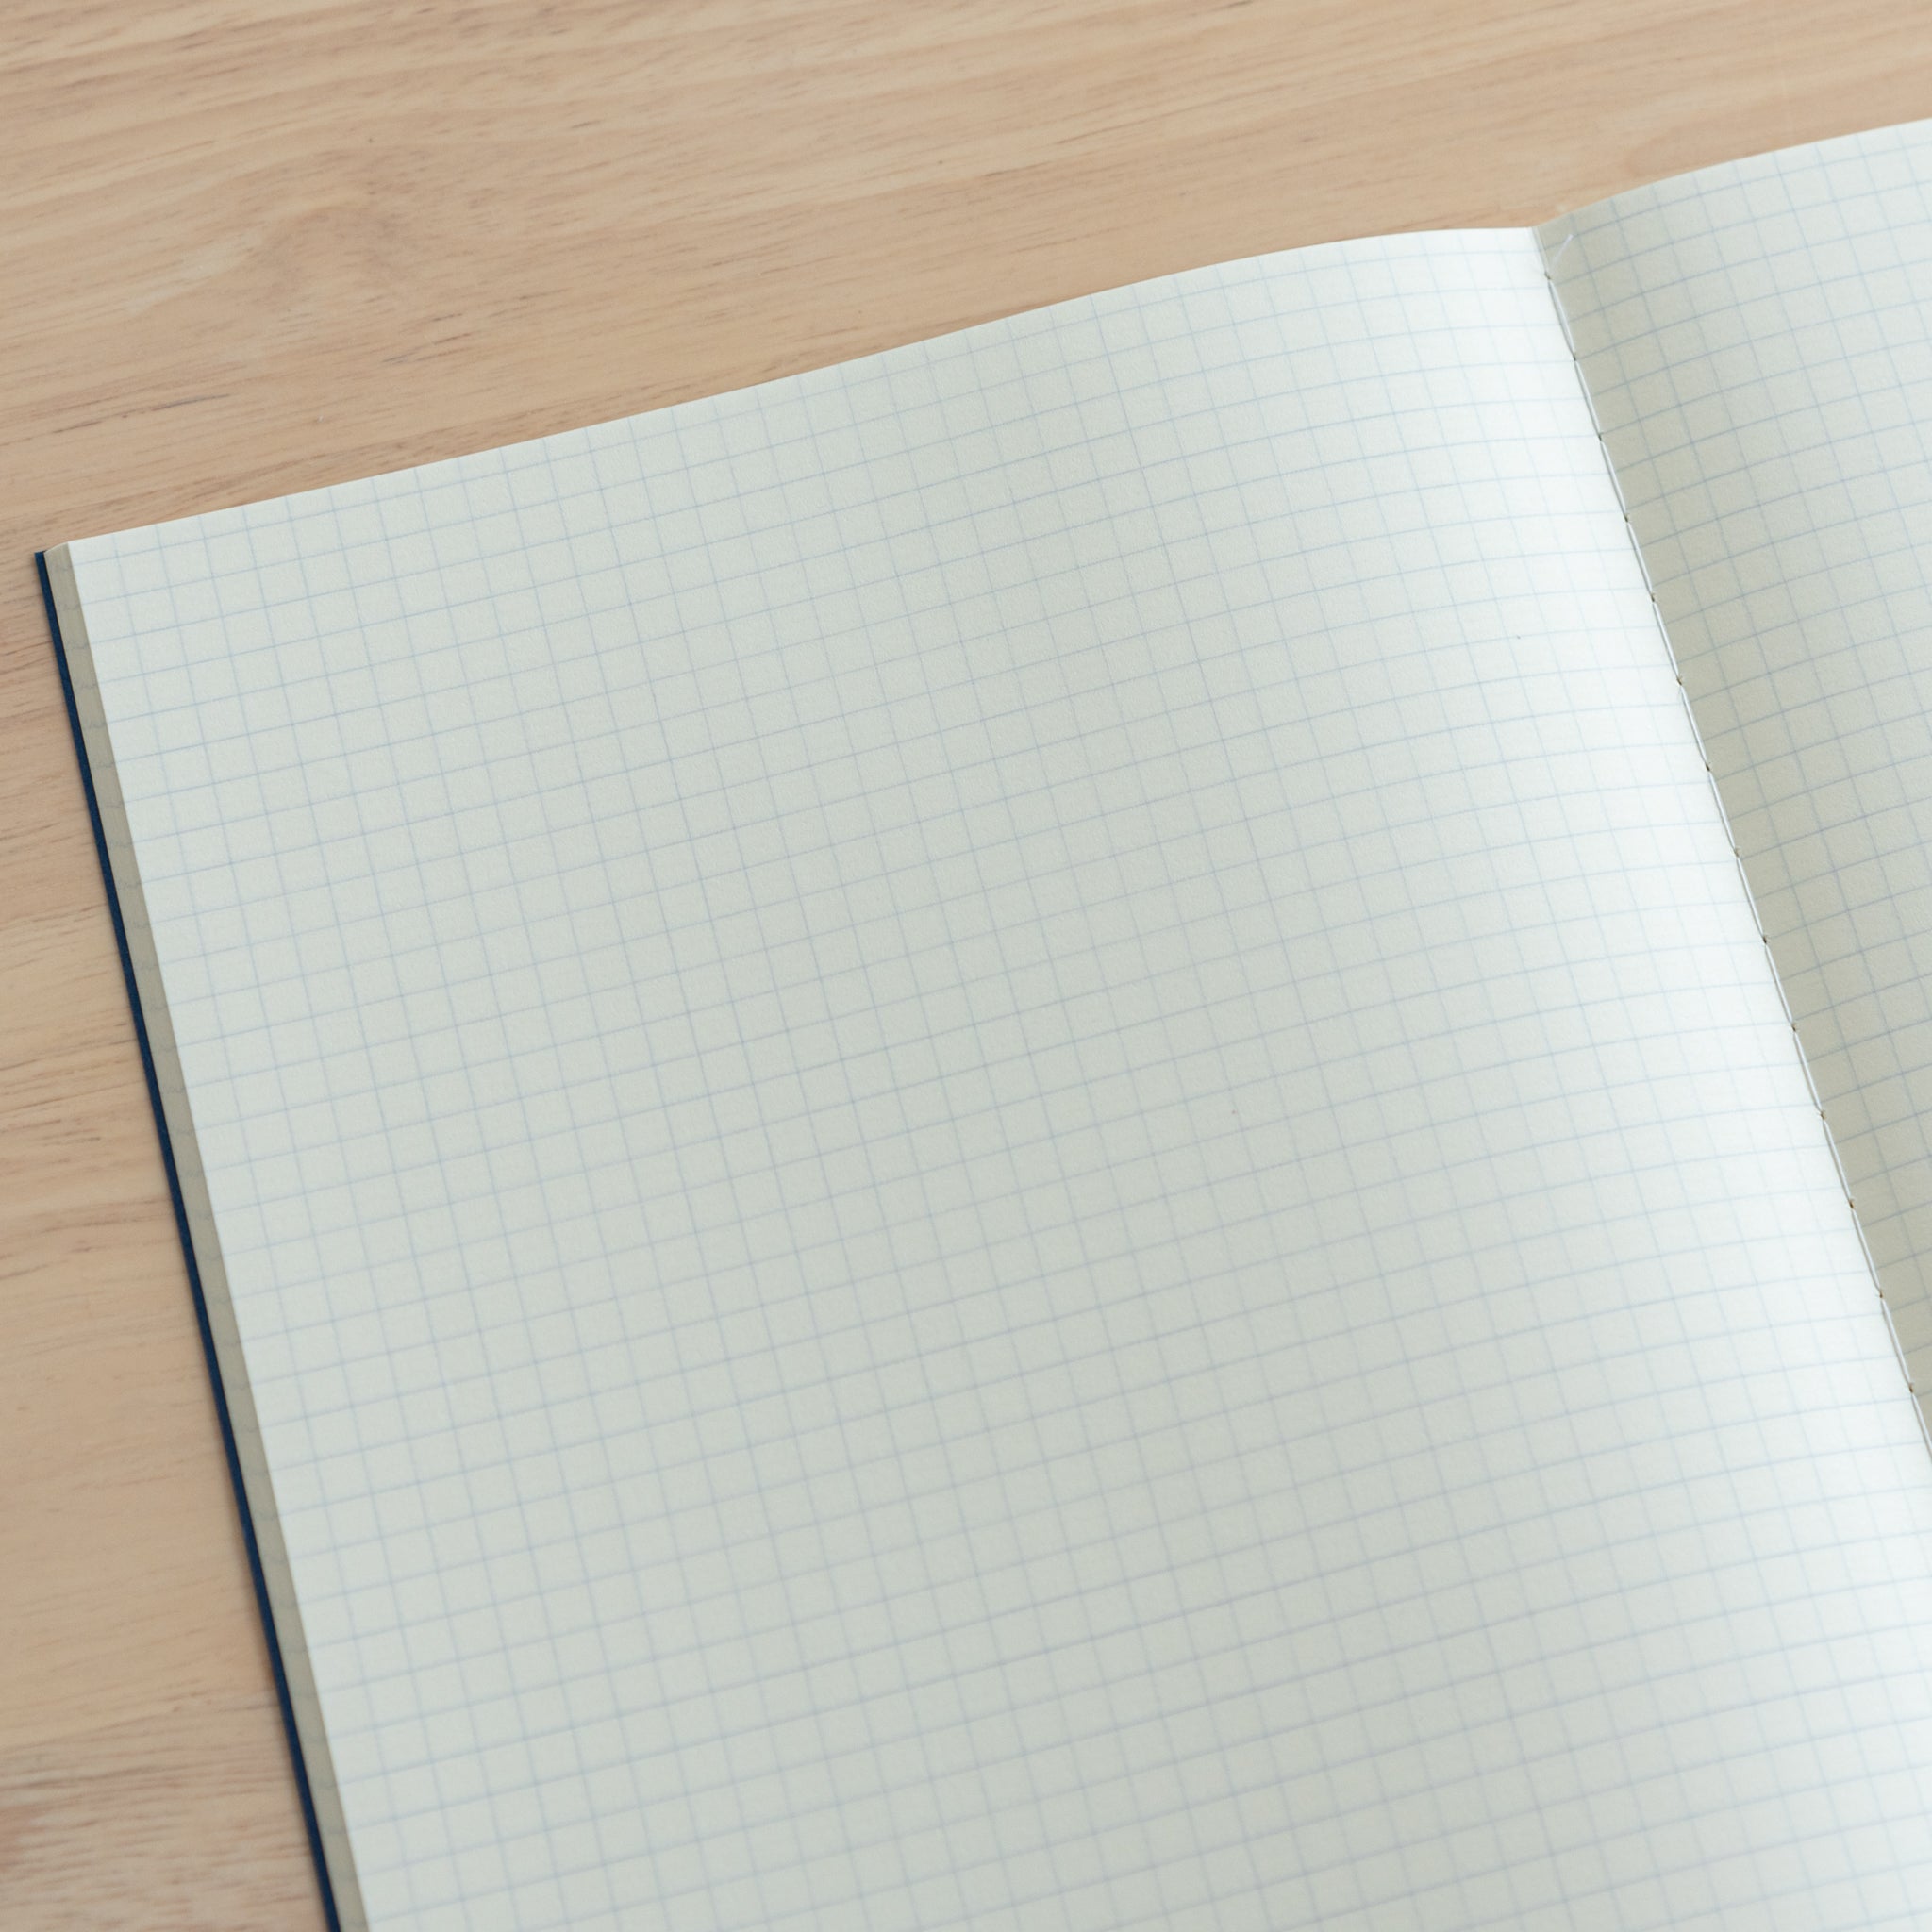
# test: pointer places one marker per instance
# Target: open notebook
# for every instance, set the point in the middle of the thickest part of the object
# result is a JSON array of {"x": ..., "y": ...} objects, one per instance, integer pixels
[{"x": 1002, "y": 1140}]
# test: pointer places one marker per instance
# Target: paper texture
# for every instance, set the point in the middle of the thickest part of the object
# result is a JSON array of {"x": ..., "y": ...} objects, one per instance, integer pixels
[
  {"x": 1758, "y": 339},
  {"x": 1001, "y": 1141}
]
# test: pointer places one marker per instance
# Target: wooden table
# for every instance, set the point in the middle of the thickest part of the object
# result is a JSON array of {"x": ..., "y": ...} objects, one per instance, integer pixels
[{"x": 249, "y": 250}]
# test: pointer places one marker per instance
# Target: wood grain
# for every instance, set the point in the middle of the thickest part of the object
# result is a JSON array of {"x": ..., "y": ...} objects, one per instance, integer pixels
[{"x": 249, "y": 250}]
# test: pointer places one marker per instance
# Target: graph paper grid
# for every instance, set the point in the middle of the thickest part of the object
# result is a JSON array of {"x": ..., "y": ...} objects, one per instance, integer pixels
[
  {"x": 999, "y": 1142},
  {"x": 1757, "y": 339}
]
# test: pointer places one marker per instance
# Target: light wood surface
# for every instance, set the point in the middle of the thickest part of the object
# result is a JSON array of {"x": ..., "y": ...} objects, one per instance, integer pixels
[{"x": 248, "y": 249}]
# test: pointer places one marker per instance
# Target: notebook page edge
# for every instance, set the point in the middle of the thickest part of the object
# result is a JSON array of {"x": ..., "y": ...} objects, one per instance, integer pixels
[
  {"x": 253, "y": 1490},
  {"x": 529, "y": 447}
]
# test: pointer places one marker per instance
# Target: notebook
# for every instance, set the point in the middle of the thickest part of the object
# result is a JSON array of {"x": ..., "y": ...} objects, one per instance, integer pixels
[{"x": 1120, "y": 1122}]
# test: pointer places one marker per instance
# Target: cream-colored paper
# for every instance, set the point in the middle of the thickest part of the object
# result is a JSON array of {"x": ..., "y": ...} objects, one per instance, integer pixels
[
  {"x": 1758, "y": 339},
  {"x": 999, "y": 1141}
]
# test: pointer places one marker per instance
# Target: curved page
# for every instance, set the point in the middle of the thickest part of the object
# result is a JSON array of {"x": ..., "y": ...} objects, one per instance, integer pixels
[
  {"x": 1758, "y": 339},
  {"x": 998, "y": 1139}
]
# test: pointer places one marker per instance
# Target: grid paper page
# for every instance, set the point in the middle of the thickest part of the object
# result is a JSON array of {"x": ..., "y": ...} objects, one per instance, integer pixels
[
  {"x": 1759, "y": 342},
  {"x": 1001, "y": 1145}
]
